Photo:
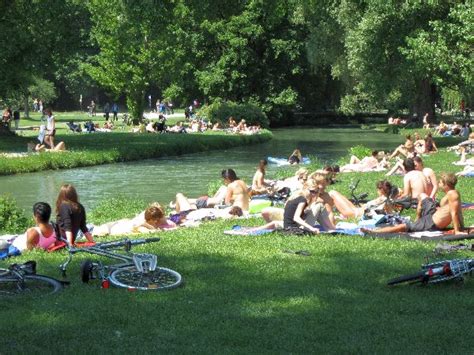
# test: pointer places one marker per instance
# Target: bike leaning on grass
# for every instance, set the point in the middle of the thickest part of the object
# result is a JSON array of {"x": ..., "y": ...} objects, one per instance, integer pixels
[
  {"x": 438, "y": 272},
  {"x": 22, "y": 279},
  {"x": 135, "y": 272}
]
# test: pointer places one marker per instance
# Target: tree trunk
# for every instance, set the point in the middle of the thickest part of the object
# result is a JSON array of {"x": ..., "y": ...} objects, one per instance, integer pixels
[
  {"x": 425, "y": 100},
  {"x": 27, "y": 107},
  {"x": 136, "y": 105}
]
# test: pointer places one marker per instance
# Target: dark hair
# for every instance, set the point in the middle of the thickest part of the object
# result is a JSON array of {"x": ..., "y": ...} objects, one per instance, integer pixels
[
  {"x": 409, "y": 164},
  {"x": 236, "y": 211},
  {"x": 229, "y": 174},
  {"x": 375, "y": 153},
  {"x": 42, "y": 211},
  {"x": 385, "y": 186},
  {"x": 417, "y": 159},
  {"x": 67, "y": 194},
  {"x": 262, "y": 164}
]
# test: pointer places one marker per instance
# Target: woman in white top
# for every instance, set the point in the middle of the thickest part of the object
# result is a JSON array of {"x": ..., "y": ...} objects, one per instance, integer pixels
[{"x": 50, "y": 128}]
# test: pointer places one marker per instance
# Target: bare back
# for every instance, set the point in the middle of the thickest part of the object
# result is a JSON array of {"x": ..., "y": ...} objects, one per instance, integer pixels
[
  {"x": 238, "y": 195},
  {"x": 414, "y": 184}
]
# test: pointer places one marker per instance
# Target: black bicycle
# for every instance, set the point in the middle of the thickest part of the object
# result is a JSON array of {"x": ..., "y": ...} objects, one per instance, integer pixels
[
  {"x": 136, "y": 272},
  {"x": 22, "y": 279},
  {"x": 357, "y": 199},
  {"x": 438, "y": 272}
]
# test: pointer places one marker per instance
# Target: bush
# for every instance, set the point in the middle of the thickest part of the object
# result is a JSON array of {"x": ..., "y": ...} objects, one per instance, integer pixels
[
  {"x": 393, "y": 129},
  {"x": 12, "y": 218},
  {"x": 360, "y": 151},
  {"x": 220, "y": 111}
]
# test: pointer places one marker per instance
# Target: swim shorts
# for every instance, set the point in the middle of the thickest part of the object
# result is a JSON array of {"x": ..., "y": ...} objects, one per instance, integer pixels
[
  {"x": 425, "y": 222},
  {"x": 201, "y": 202}
]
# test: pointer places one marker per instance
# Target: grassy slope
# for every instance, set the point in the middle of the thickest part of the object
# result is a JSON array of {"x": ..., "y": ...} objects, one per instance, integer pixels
[{"x": 243, "y": 294}]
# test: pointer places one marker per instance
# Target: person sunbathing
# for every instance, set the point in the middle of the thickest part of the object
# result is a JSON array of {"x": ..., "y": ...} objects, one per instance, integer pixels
[
  {"x": 293, "y": 183},
  {"x": 61, "y": 146},
  {"x": 429, "y": 217},
  {"x": 185, "y": 217},
  {"x": 378, "y": 205},
  {"x": 366, "y": 164},
  {"x": 152, "y": 219}
]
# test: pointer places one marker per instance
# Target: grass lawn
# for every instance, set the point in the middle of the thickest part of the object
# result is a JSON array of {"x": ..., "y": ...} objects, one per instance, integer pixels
[{"x": 245, "y": 295}]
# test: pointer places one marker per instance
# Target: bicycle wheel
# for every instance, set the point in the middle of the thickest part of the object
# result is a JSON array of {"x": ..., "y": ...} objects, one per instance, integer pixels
[
  {"x": 159, "y": 279},
  {"x": 413, "y": 278},
  {"x": 33, "y": 285}
]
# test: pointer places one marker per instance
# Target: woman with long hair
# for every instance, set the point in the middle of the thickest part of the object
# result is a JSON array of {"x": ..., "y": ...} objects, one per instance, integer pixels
[
  {"x": 71, "y": 215},
  {"x": 259, "y": 185}
]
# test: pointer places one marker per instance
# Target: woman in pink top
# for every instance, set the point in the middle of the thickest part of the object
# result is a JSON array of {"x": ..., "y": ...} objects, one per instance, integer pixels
[{"x": 43, "y": 235}]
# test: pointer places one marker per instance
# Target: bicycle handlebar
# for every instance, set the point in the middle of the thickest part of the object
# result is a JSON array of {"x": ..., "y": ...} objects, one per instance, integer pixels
[{"x": 115, "y": 244}]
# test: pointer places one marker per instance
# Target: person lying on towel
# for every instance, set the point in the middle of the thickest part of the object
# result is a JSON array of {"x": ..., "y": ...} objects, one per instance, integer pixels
[{"x": 429, "y": 217}]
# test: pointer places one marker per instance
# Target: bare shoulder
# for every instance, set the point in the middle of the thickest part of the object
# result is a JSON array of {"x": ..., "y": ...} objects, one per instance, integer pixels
[{"x": 453, "y": 195}]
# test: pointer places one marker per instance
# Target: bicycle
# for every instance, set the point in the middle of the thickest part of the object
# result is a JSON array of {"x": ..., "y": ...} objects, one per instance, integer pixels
[
  {"x": 439, "y": 271},
  {"x": 136, "y": 272},
  {"x": 22, "y": 279},
  {"x": 360, "y": 199}
]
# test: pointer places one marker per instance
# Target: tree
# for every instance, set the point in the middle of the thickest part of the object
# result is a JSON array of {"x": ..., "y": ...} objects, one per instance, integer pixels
[
  {"x": 365, "y": 40},
  {"x": 133, "y": 44}
]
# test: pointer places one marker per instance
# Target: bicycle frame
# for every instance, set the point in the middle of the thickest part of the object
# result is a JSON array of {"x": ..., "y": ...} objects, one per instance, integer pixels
[
  {"x": 448, "y": 269},
  {"x": 101, "y": 249}
]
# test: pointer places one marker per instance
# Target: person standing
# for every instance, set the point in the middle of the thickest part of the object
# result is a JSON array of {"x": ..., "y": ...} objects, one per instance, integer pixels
[
  {"x": 50, "y": 128},
  {"x": 16, "y": 118},
  {"x": 115, "y": 110},
  {"x": 106, "y": 111}
]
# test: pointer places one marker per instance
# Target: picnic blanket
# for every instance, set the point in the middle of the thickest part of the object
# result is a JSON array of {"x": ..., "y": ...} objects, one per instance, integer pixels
[
  {"x": 467, "y": 206},
  {"x": 447, "y": 235}
]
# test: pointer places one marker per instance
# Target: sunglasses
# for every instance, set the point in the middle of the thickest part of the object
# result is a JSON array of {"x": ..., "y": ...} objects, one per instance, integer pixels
[{"x": 314, "y": 191}]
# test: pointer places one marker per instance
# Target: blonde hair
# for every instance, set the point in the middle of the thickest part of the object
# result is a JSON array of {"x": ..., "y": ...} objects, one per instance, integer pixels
[{"x": 449, "y": 179}]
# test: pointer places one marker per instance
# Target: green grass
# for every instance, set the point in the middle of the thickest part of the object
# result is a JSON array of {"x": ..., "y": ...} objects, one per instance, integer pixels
[{"x": 245, "y": 295}]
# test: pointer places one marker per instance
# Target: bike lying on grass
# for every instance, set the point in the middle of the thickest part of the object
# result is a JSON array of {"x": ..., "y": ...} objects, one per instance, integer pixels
[
  {"x": 438, "y": 272},
  {"x": 136, "y": 272},
  {"x": 21, "y": 279}
]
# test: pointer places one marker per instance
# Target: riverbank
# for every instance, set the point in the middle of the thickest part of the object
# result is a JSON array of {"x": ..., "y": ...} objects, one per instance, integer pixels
[
  {"x": 104, "y": 148},
  {"x": 333, "y": 301}
]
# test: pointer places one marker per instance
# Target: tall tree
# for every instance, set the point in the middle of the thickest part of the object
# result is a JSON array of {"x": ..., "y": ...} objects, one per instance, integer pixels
[{"x": 367, "y": 51}]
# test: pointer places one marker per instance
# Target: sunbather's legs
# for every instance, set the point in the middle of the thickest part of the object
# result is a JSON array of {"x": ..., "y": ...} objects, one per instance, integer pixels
[
  {"x": 317, "y": 214},
  {"x": 343, "y": 205},
  {"x": 392, "y": 229},
  {"x": 270, "y": 214},
  {"x": 396, "y": 167},
  {"x": 183, "y": 204},
  {"x": 354, "y": 160}
]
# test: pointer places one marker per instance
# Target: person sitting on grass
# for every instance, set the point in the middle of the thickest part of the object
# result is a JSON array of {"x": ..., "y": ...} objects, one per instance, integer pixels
[
  {"x": 429, "y": 217},
  {"x": 41, "y": 236},
  {"x": 259, "y": 185},
  {"x": 407, "y": 149},
  {"x": 415, "y": 182},
  {"x": 151, "y": 220}
]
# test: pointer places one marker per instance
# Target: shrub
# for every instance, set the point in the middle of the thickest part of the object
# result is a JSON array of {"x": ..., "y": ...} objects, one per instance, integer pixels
[
  {"x": 360, "y": 151},
  {"x": 220, "y": 111},
  {"x": 393, "y": 129},
  {"x": 12, "y": 218}
]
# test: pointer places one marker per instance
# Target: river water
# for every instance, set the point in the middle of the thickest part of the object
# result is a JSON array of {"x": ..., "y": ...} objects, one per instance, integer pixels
[{"x": 160, "y": 179}]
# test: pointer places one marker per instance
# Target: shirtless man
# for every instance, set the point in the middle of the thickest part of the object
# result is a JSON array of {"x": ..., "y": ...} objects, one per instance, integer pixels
[
  {"x": 237, "y": 191},
  {"x": 431, "y": 218},
  {"x": 414, "y": 182},
  {"x": 432, "y": 183}
]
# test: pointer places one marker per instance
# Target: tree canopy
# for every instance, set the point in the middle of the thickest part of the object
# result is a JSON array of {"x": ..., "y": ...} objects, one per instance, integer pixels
[{"x": 282, "y": 55}]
